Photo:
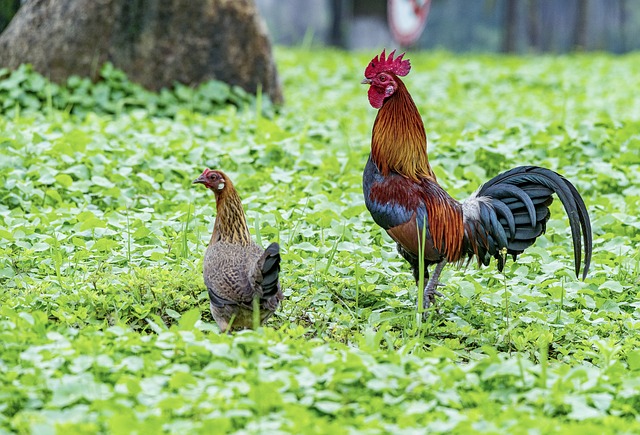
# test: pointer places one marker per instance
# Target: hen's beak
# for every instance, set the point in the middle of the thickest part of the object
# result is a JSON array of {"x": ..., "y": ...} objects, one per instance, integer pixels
[
  {"x": 199, "y": 180},
  {"x": 365, "y": 82}
]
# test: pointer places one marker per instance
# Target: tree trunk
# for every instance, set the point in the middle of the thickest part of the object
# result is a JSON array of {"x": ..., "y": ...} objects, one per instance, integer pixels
[
  {"x": 580, "y": 30},
  {"x": 510, "y": 25},
  {"x": 336, "y": 36},
  {"x": 622, "y": 19},
  {"x": 155, "y": 42},
  {"x": 533, "y": 25}
]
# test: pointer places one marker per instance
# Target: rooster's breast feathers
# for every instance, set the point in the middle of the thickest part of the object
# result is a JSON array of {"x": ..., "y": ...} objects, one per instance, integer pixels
[
  {"x": 392, "y": 200},
  {"x": 403, "y": 207}
]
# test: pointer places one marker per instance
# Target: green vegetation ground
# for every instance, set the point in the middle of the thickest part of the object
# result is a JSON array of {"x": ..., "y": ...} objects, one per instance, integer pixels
[{"x": 103, "y": 313}]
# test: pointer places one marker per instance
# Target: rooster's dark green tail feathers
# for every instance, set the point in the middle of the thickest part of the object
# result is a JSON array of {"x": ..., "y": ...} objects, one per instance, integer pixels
[{"x": 511, "y": 210}]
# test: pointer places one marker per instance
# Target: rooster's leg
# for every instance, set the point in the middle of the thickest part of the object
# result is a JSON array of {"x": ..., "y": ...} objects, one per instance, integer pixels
[{"x": 430, "y": 290}]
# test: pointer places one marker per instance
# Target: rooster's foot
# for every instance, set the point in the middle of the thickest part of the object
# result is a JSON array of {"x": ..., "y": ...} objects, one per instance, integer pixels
[
  {"x": 431, "y": 289},
  {"x": 429, "y": 295}
]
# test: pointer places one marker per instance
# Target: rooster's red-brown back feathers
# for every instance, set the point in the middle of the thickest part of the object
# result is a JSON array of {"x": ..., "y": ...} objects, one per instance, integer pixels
[{"x": 398, "y": 140}]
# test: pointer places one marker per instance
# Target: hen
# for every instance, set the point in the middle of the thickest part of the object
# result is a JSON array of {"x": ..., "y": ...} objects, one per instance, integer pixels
[
  {"x": 239, "y": 274},
  {"x": 504, "y": 216}
]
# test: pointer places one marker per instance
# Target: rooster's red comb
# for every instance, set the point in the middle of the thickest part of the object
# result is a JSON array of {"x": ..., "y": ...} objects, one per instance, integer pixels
[{"x": 381, "y": 63}]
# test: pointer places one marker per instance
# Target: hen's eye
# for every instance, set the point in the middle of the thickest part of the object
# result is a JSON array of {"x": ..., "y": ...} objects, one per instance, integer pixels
[{"x": 383, "y": 78}]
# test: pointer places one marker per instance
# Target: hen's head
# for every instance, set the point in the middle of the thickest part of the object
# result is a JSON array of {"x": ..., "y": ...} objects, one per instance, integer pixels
[
  {"x": 214, "y": 180},
  {"x": 382, "y": 76}
]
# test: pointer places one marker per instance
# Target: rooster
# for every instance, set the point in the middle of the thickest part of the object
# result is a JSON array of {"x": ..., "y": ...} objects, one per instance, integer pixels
[
  {"x": 239, "y": 275},
  {"x": 504, "y": 216}
]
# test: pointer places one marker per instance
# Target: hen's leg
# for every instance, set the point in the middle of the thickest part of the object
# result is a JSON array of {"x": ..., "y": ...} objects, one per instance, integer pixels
[{"x": 430, "y": 290}]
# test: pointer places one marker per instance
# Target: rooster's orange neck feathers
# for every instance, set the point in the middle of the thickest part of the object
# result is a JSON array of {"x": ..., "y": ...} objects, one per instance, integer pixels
[
  {"x": 231, "y": 223},
  {"x": 399, "y": 141}
]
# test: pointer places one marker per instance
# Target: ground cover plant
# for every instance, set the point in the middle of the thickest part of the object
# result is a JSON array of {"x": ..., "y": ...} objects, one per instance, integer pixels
[{"x": 104, "y": 316}]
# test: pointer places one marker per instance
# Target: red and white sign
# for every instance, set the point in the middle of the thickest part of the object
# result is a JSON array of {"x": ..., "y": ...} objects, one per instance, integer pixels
[{"x": 407, "y": 19}]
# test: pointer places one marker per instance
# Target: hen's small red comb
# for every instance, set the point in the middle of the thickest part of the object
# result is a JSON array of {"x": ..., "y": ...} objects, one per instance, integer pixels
[{"x": 381, "y": 64}]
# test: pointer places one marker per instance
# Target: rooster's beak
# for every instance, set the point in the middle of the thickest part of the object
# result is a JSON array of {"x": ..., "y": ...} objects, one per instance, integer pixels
[{"x": 365, "y": 82}]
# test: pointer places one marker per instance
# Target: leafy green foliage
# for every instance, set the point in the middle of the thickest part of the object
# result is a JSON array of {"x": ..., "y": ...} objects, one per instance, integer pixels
[
  {"x": 104, "y": 316},
  {"x": 23, "y": 90}
]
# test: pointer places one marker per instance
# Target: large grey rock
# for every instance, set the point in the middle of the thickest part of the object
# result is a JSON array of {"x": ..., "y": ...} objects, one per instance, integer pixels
[{"x": 156, "y": 42}]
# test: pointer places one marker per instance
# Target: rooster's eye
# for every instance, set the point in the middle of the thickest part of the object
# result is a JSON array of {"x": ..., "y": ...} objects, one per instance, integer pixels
[{"x": 383, "y": 78}]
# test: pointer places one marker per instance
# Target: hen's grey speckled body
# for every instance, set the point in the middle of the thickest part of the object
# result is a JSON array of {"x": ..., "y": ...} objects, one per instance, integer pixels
[
  {"x": 233, "y": 276},
  {"x": 236, "y": 270}
]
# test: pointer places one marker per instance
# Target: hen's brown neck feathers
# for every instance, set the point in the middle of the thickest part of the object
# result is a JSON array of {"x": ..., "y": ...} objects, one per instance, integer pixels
[
  {"x": 231, "y": 223},
  {"x": 399, "y": 141}
]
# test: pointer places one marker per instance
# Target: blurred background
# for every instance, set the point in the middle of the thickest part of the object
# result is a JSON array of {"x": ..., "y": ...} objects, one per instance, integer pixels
[
  {"x": 159, "y": 44},
  {"x": 520, "y": 26}
]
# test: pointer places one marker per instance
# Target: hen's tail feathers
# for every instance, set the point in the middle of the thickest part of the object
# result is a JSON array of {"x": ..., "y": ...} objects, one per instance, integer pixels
[
  {"x": 218, "y": 301},
  {"x": 270, "y": 269},
  {"x": 511, "y": 210}
]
